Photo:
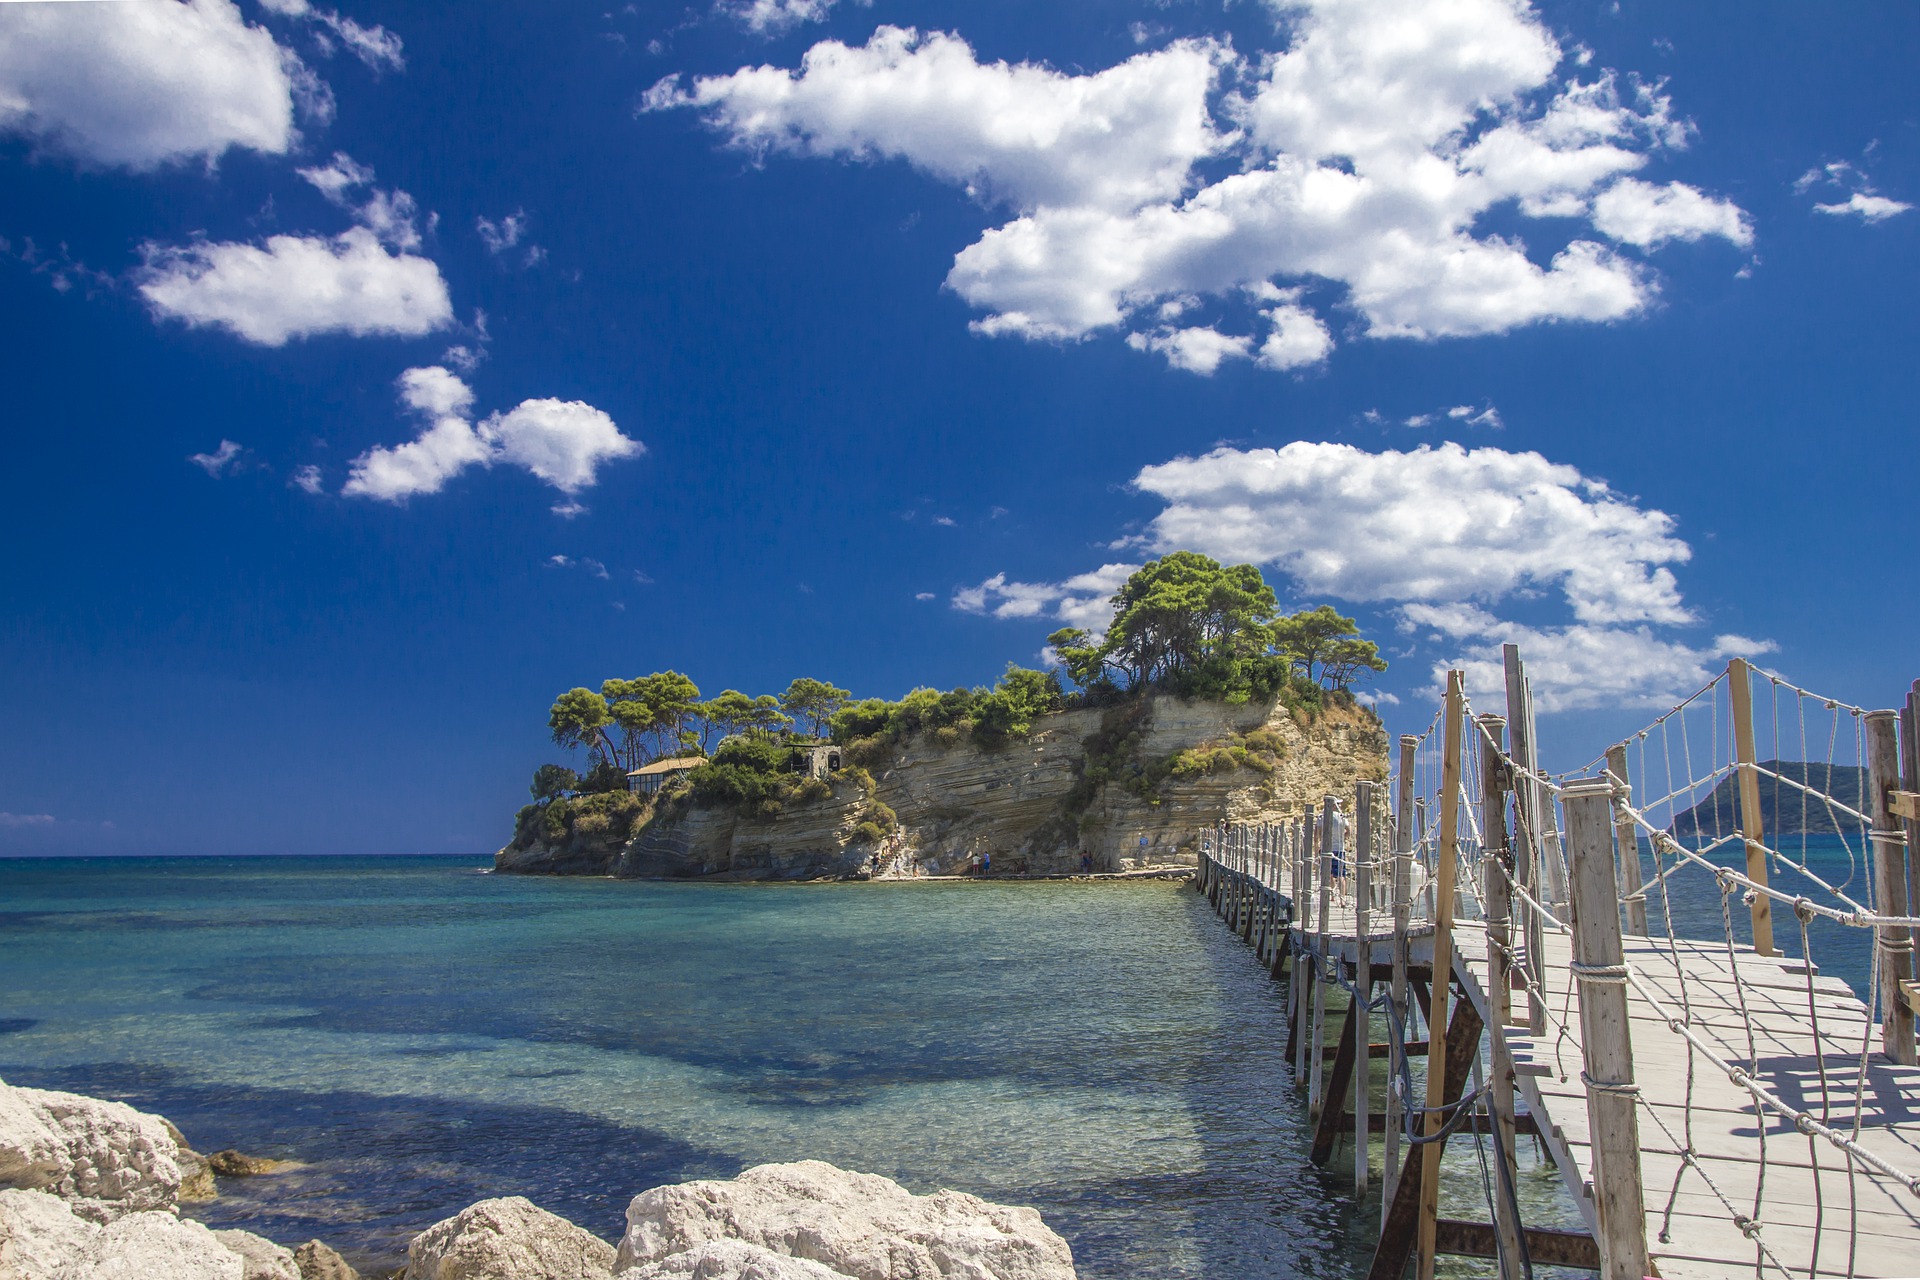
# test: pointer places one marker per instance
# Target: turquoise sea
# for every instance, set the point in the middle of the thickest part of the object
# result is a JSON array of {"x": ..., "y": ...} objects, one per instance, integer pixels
[{"x": 421, "y": 1035}]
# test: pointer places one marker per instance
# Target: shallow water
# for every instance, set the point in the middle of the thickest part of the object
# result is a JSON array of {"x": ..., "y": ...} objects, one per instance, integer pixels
[{"x": 421, "y": 1036}]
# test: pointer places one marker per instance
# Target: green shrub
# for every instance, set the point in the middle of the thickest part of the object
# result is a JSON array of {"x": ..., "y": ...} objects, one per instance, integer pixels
[{"x": 605, "y": 776}]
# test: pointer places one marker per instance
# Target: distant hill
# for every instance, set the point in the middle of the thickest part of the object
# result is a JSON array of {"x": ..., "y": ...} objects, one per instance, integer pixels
[{"x": 1780, "y": 805}]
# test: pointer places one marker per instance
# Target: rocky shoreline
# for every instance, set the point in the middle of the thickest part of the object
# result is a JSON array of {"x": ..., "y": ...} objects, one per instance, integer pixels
[{"x": 92, "y": 1190}]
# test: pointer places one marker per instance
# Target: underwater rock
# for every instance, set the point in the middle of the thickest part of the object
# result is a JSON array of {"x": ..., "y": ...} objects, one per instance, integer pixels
[{"x": 318, "y": 1261}]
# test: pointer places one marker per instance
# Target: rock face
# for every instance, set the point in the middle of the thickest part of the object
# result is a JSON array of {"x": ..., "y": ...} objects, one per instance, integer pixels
[
  {"x": 41, "y": 1238},
  {"x": 1086, "y": 784},
  {"x": 103, "y": 1158},
  {"x": 732, "y": 1260},
  {"x": 261, "y": 1257},
  {"x": 507, "y": 1239},
  {"x": 318, "y": 1262},
  {"x": 196, "y": 1175},
  {"x": 856, "y": 1225}
]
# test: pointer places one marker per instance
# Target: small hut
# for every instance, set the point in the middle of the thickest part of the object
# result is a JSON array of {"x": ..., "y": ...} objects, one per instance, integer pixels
[
  {"x": 814, "y": 759},
  {"x": 649, "y": 778}
]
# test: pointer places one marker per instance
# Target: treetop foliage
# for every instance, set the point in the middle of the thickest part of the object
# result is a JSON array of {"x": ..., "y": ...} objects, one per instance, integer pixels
[{"x": 1189, "y": 625}]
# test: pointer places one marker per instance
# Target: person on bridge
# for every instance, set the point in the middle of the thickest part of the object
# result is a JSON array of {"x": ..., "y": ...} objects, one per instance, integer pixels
[{"x": 1333, "y": 838}]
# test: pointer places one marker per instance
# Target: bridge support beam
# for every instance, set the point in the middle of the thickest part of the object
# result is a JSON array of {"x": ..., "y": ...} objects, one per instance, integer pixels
[{"x": 1401, "y": 1232}]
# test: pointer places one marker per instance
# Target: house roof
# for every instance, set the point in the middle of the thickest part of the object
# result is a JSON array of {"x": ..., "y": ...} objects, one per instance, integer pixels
[{"x": 676, "y": 765}]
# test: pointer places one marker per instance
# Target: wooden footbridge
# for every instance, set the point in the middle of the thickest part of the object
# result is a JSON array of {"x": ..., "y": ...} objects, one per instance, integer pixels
[{"x": 1714, "y": 1103}]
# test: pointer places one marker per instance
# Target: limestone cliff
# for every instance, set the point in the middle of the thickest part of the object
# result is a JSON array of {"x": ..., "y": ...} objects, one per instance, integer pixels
[{"x": 1130, "y": 786}]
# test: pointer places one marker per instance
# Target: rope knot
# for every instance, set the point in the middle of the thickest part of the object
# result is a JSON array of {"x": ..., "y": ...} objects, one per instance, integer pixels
[
  {"x": 1803, "y": 910},
  {"x": 1611, "y": 974},
  {"x": 1618, "y": 1088},
  {"x": 1748, "y": 1226}
]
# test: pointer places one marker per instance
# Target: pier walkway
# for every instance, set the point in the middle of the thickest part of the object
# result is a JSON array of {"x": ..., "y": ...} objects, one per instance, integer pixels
[{"x": 1716, "y": 1104}]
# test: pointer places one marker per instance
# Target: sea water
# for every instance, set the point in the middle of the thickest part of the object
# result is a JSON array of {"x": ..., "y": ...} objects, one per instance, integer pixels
[{"x": 419, "y": 1035}]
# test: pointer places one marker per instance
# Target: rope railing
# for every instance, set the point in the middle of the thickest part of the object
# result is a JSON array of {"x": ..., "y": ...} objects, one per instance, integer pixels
[{"x": 1697, "y": 770}]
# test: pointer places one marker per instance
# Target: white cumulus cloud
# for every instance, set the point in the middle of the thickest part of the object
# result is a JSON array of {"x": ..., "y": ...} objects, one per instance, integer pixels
[
  {"x": 1636, "y": 212},
  {"x": 388, "y": 214},
  {"x": 296, "y": 287},
  {"x": 221, "y": 460},
  {"x": 1864, "y": 201},
  {"x": 1867, "y": 208},
  {"x": 376, "y": 46},
  {"x": 1197, "y": 350},
  {"x": 1083, "y": 600},
  {"x": 1363, "y": 154},
  {"x": 563, "y": 442},
  {"x": 142, "y": 85},
  {"x": 776, "y": 17},
  {"x": 1022, "y": 134},
  {"x": 1578, "y": 667},
  {"x": 1437, "y": 535},
  {"x": 1440, "y": 523}
]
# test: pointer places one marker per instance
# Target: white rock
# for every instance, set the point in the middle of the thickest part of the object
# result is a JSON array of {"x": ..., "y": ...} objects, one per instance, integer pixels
[
  {"x": 107, "y": 1160},
  {"x": 732, "y": 1260},
  {"x": 507, "y": 1239},
  {"x": 31, "y": 1153},
  {"x": 261, "y": 1257},
  {"x": 859, "y": 1224},
  {"x": 146, "y": 1246},
  {"x": 40, "y": 1238}
]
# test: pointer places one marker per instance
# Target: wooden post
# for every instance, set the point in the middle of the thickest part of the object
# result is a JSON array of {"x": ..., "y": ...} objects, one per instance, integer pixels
[
  {"x": 1442, "y": 963},
  {"x": 1323, "y": 965},
  {"x": 1555, "y": 865},
  {"x": 1910, "y": 781},
  {"x": 1890, "y": 870},
  {"x": 1420, "y": 827},
  {"x": 1529, "y": 800},
  {"x": 1496, "y": 865},
  {"x": 1626, "y": 842},
  {"x": 1306, "y": 966},
  {"x": 1397, "y": 993},
  {"x": 1362, "y": 854},
  {"x": 1752, "y": 830},
  {"x": 1605, "y": 1040}
]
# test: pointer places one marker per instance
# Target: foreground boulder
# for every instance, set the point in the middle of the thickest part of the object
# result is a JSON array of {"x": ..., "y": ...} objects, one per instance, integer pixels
[
  {"x": 260, "y": 1257},
  {"x": 103, "y": 1158},
  {"x": 42, "y": 1238},
  {"x": 732, "y": 1260},
  {"x": 507, "y": 1239},
  {"x": 858, "y": 1225}
]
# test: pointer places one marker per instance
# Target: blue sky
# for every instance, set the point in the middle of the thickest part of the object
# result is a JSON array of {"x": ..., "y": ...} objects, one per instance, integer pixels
[{"x": 377, "y": 373}]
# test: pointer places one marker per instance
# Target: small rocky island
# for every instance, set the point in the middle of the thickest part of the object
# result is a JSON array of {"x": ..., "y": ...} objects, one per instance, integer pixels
[{"x": 1201, "y": 703}]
